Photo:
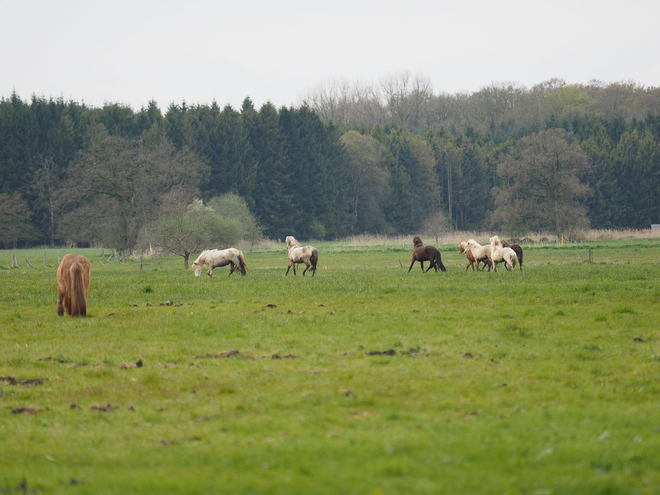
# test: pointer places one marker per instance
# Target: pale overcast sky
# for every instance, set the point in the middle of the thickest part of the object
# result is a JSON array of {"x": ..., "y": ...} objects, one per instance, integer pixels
[{"x": 199, "y": 51}]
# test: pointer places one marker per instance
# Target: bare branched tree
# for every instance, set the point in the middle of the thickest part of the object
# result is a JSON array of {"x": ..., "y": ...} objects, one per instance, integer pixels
[
  {"x": 122, "y": 183},
  {"x": 183, "y": 229}
]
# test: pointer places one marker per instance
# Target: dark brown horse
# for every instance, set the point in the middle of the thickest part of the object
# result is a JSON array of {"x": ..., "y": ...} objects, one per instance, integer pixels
[
  {"x": 517, "y": 249},
  {"x": 424, "y": 253},
  {"x": 72, "y": 285}
]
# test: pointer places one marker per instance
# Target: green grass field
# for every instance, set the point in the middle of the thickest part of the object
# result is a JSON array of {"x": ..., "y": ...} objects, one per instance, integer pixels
[{"x": 363, "y": 379}]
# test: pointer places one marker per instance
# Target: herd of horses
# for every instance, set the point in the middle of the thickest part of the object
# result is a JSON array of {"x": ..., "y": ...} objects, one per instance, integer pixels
[
  {"x": 490, "y": 255},
  {"x": 73, "y": 274}
]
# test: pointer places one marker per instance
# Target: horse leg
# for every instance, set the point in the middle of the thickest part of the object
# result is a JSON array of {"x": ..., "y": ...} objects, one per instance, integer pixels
[
  {"x": 422, "y": 263},
  {"x": 60, "y": 304},
  {"x": 307, "y": 265},
  {"x": 232, "y": 267},
  {"x": 412, "y": 263},
  {"x": 289, "y": 268},
  {"x": 210, "y": 272}
]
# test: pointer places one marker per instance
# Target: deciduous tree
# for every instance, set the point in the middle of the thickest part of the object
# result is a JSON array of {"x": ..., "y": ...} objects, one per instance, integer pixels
[
  {"x": 183, "y": 229},
  {"x": 542, "y": 183},
  {"x": 121, "y": 183}
]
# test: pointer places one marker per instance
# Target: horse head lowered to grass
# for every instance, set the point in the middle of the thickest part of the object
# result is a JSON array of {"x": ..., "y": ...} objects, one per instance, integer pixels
[
  {"x": 72, "y": 285},
  {"x": 301, "y": 254},
  {"x": 215, "y": 258},
  {"x": 424, "y": 253}
]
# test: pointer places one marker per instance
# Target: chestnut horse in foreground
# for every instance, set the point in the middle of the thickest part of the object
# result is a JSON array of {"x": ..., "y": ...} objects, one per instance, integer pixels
[
  {"x": 72, "y": 285},
  {"x": 297, "y": 254},
  {"x": 424, "y": 253}
]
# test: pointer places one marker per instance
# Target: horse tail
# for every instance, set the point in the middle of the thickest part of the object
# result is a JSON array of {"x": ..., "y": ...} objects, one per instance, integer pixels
[
  {"x": 241, "y": 261},
  {"x": 314, "y": 259},
  {"x": 77, "y": 290},
  {"x": 438, "y": 261}
]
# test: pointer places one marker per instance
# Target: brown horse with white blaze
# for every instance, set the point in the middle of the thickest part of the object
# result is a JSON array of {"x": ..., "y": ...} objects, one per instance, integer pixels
[
  {"x": 424, "y": 253},
  {"x": 72, "y": 285}
]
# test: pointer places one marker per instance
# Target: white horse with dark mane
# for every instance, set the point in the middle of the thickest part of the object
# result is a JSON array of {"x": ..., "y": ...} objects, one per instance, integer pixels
[
  {"x": 499, "y": 253},
  {"x": 215, "y": 258},
  {"x": 301, "y": 254}
]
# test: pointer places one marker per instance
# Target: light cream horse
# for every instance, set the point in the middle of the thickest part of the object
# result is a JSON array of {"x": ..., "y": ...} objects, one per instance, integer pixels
[
  {"x": 500, "y": 254},
  {"x": 481, "y": 254},
  {"x": 463, "y": 248},
  {"x": 215, "y": 258},
  {"x": 297, "y": 254}
]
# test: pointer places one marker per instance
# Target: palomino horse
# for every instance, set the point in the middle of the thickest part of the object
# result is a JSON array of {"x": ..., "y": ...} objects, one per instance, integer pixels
[
  {"x": 481, "y": 254},
  {"x": 72, "y": 285},
  {"x": 463, "y": 248},
  {"x": 297, "y": 254},
  {"x": 500, "y": 253},
  {"x": 424, "y": 253},
  {"x": 215, "y": 258},
  {"x": 517, "y": 249}
]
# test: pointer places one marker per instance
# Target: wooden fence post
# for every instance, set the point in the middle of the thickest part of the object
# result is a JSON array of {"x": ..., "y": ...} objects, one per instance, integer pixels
[
  {"x": 14, "y": 263},
  {"x": 27, "y": 260},
  {"x": 591, "y": 256},
  {"x": 44, "y": 258}
]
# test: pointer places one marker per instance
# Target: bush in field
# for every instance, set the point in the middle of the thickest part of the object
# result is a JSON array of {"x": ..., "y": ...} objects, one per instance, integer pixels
[
  {"x": 436, "y": 225},
  {"x": 185, "y": 229},
  {"x": 232, "y": 206}
]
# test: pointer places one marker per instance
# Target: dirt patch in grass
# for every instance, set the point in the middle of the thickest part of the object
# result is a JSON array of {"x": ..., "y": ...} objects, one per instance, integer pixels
[{"x": 12, "y": 380}]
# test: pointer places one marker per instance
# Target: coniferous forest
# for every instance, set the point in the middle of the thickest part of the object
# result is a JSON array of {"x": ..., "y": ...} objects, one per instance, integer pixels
[{"x": 395, "y": 158}]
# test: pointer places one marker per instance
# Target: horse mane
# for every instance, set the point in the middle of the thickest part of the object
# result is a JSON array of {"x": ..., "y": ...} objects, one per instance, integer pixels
[
  {"x": 202, "y": 257},
  {"x": 292, "y": 242},
  {"x": 417, "y": 241},
  {"x": 496, "y": 240},
  {"x": 472, "y": 244}
]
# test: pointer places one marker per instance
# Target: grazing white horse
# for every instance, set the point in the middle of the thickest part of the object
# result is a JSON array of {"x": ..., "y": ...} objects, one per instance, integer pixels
[
  {"x": 215, "y": 258},
  {"x": 481, "y": 254},
  {"x": 500, "y": 253},
  {"x": 297, "y": 254}
]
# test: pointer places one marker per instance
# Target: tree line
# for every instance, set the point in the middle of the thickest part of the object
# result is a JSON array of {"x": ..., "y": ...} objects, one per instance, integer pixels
[{"x": 349, "y": 159}]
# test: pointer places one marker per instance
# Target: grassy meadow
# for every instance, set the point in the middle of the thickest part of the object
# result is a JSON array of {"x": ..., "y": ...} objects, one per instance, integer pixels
[{"x": 362, "y": 379}]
